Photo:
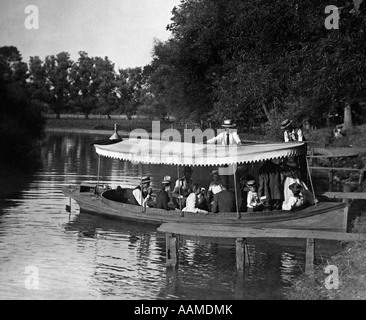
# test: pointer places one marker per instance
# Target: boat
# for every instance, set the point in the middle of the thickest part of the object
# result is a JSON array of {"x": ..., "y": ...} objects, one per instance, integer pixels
[{"x": 92, "y": 198}]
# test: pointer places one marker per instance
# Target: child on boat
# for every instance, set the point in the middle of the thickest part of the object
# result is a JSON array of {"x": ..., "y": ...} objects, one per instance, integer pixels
[
  {"x": 296, "y": 200},
  {"x": 253, "y": 201}
]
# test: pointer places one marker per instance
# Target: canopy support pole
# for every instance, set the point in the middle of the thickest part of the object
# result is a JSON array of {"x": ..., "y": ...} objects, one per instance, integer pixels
[
  {"x": 97, "y": 189},
  {"x": 142, "y": 198},
  {"x": 311, "y": 180},
  {"x": 236, "y": 192},
  {"x": 179, "y": 199}
]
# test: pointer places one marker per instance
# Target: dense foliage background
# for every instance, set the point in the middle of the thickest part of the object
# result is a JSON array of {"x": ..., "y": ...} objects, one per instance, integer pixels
[{"x": 256, "y": 61}]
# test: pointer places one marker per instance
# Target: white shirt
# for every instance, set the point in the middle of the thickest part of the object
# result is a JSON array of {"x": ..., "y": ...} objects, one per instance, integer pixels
[
  {"x": 293, "y": 202},
  {"x": 137, "y": 194},
  {"x": 252, "y": 199},
  {"x": 191, "y": 204},
  {"x": 291, "y": 136},
  {"x": 222, "y": 138},
  {"x": 216, "y": 188}
]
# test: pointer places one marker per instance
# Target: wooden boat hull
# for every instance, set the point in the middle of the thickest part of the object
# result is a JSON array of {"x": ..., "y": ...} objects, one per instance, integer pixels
[{"x": 330, "y": 216}]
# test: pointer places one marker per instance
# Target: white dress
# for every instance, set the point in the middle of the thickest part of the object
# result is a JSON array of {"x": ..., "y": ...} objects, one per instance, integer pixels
[
  {"x": 308, "y": 196},
  {"x": 294, "y": 202}
]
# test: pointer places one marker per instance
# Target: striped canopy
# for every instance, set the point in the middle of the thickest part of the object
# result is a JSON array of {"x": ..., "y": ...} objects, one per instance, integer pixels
[{"x": 194, "y": 154}]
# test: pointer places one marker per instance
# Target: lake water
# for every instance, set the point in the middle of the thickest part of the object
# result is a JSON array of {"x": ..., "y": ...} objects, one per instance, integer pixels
[{"x": 48, "y": 253}]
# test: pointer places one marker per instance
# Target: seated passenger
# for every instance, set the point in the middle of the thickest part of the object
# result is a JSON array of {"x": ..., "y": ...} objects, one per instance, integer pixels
[
  {"x": 224, "y": 201},
  {"x": 191, "y": 203},
  {"x": 143, "y": 197},
  {"x": 162, "y": 197},
  {"x": 296, "y": 200},
  {"x": 201, "y": 200},
  {"x": 253, "y": 201},
  {"x": 182, "y": 188},
  {"x": 215, "y": 186}
]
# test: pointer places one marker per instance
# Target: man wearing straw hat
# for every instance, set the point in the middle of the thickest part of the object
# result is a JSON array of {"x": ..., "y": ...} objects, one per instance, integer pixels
[
  {"x": 142, "y": 193},
  {"x": 228, "y": 137},
  {"x": 290, "y": 133},
  {"x": 162, "y": 197}
]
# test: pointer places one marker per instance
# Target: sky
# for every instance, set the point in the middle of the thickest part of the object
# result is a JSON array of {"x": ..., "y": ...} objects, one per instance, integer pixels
[{"x": 122, "y": 30}]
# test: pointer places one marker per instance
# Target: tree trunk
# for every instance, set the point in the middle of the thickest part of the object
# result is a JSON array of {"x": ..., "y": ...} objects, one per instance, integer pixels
[
  {"x": 347, "y": 123},
  {"x": 265, "y": 109},
  {"x": 86, "y": 115}
]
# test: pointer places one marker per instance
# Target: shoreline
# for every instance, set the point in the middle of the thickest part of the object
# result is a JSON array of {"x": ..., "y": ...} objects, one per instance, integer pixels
[{"x": 351, "y": 265}]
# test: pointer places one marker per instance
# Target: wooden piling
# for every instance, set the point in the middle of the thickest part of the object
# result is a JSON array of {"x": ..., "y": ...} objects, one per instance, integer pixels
[
  {"x": 242, "y": 254},
  {"x": 310, "y": 254},
  {"x": 171, "y": 250}
]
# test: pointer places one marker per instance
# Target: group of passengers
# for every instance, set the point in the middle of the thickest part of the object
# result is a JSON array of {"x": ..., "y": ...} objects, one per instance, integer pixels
[
  {"x": 279, "y": 185},
  {"x": 186, "y": 195}
]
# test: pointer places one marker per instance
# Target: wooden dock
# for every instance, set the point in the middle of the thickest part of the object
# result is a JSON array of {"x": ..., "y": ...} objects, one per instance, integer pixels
[{"x": 242, "y": 234}]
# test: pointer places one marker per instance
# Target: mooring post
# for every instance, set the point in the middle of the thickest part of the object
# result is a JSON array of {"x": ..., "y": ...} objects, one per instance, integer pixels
[
  {"x": 345, "y": 214},
  {"x": 309, "y": 260},
  {"x": 171, "y": 250},
  {"x": 242, "y": 254}
]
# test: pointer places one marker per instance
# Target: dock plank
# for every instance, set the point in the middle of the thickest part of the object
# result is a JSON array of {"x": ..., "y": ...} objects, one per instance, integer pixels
[
  {"x": 346, "y": 195},
  {"x": 224, "y": 231}
]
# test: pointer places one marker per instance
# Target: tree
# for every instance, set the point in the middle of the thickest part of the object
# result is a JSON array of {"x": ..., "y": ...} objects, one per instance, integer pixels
[
  {"x": 38, "y": 86},
  {"x": 84, "y": 84},
  {"x": 251, "y": 60},
  {"x": 21, "y": 122},
  {"x": 106, "y": 81},
  {"x": 57, "y": 69}
]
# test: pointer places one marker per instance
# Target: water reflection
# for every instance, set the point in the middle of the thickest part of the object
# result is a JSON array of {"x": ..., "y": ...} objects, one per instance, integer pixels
[{"x": 84, "y": 256}]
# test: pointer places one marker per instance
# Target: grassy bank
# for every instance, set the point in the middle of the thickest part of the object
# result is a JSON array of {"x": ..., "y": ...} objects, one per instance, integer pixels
[
  {"x": 125, "y": 126},
  {"x": 351, "y": 264}
]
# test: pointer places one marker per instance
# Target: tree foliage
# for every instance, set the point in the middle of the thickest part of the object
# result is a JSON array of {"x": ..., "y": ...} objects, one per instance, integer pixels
[
  {"x": 253, "y": 59},
  {"x": 21, "y": 122}
]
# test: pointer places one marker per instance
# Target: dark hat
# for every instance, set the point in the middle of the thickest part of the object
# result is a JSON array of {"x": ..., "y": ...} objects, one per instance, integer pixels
[
  {"x": 251, "y": 183},
  {"x": 145, "y": 179},
  {"x": 228, "y": 124},
  {"x": 295, "y": 187},
  {"x": 291, "y": 163},
  {"x": 187, "y": 169},
  {"x": 214, "y": 172},
  {"x": 167, "y": 180},
  {"x": 285, "y": 123}
]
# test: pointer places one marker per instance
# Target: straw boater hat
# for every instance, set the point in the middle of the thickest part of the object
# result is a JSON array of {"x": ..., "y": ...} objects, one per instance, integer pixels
[
  {"x": 286, "y": 123},
  {"x": 167, "y": 180},
  {"x": 251, "y": 183},
  {"x": 228, "y": 124},
  {"x": 295, "y": 187},
  {"x": 214, "y": 172},
  {"x": 145, "y": 179}
]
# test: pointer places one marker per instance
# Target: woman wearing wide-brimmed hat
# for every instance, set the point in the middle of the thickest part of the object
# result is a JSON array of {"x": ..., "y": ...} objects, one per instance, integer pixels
[
  {"x": 290, "y": 133},
  {"x": 297, "y": 199}
]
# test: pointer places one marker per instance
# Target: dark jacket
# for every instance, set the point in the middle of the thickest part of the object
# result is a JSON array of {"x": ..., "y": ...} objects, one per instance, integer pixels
[
  {"x": 162, "y": 200},
  {"x": 270, "y": 184},
  {"x": 223, "y": 201}
]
